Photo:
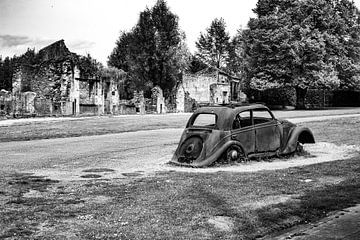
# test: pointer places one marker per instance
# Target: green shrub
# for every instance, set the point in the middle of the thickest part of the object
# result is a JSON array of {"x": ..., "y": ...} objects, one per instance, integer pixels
[
  {"x": 273, "y": 97},
  {"x": 318, "y": 98}
]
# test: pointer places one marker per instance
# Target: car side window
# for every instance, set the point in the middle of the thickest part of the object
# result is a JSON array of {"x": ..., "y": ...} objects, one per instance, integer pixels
[
  {"x": 242, "y": 120},
  {"x": 262, "y": 116},
  {"x": 205, "y": 120}
]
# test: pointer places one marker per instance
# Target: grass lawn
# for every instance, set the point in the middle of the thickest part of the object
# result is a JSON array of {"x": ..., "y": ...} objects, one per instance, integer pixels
[
  {"x": 174, "y": 205},
  {"x": 89, "y": 126}
]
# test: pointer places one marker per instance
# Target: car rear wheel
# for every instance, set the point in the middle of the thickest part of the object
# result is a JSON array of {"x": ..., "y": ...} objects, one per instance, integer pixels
[{"x": 191, "y": 149}]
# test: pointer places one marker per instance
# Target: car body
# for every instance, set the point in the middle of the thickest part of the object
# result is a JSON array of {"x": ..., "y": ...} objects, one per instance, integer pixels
[{"x": 226, "y": 133}]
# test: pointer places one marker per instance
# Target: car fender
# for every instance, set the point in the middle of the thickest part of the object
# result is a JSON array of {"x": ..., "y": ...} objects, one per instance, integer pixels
[
  {"x": 216, "y": 155},
  {"x": 298, "y": 134}
]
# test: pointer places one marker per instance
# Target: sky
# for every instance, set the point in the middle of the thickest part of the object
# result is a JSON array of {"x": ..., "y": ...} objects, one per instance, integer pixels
[{"x": 93, "y": 26}]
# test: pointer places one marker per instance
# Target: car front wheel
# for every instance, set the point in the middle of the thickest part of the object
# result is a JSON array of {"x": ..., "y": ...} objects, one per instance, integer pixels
[{"x": 234, "y": 154}]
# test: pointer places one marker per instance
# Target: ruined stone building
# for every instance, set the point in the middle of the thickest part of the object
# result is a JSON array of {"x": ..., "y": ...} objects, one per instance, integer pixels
[
  {"x": 56, "y": 86},
  {"x": 207, "y": 87}
]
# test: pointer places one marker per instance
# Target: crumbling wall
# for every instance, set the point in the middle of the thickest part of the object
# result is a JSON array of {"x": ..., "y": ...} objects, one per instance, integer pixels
[
  {"x": 6, "y": 103},
  {"x": 158, "y": 99},
  {"x": 139, "y": 101},
  {"x": 54, "y": 76},
  {"x": 180, "y": 99},
  {"x": 184, "y": 103},
  {"x": 24, "y": 104},
  {"x": 198, "y": 86},
  {"x": 115, "y": 97},
  {"x": 88, "y": 92},
  {"x": 52, "y": 80},
  {"x": 219, "y": 93},
  {"x": 45, "y": 107},
  {"x": 126, "y": 107}
]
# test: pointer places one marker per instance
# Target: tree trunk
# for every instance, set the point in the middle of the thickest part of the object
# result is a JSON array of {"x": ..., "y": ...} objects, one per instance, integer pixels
[{"x": 300, "y": 97}]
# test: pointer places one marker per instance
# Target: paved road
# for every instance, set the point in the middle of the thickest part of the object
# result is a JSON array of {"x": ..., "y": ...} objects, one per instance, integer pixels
[
  {"x": 142, "y": 151},
  {"x": 125, "y": 152},
  {"x": 339, "y": 225}
]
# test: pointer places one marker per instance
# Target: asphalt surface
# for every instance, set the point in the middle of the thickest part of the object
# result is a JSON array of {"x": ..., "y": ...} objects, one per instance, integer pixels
[
  {"x": 127, "y": 152},
  {"x": 343, "y": 225}
]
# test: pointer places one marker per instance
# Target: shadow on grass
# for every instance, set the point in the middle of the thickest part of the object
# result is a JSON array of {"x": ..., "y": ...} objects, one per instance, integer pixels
[{"x": 312, "y": 206}]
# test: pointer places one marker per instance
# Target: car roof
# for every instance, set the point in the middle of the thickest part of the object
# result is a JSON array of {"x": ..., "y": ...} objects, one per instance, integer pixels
[
  {"x": 226, "y": 113},
  {"x": 229, "y": 108}
]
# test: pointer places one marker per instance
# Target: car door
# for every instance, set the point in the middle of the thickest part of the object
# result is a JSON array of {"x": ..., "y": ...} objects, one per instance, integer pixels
[
  {"x": 267, "y": 131},
  {"x": 243, "y": 131}
]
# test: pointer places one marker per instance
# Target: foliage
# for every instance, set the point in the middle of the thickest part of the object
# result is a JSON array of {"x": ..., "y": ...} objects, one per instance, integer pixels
[
  {"x": 89, "y": 67},
  {"x": 6, "y": 69},
  {"x": 316, "y": 98},
  {"x": 345, "y": 98},
  {"x": 213, "y": 46},
  {"x": 153, "y": 52},
  {"x": 196, "y": 65},
  {"x": 235, "y": 59},
  {"x": 303, "y": 44},
  {"x": 273, "y": 96},
  {"x": 119, "y": 77},
  {"x": 120, "y": 54}
]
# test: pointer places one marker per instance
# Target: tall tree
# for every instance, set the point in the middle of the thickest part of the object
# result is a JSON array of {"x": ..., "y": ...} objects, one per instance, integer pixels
[
  {"x": 1, "y": 74},
  {"x": 196, "y": 64},
  {"x": 6, "y": 73},
  {"x": 235, "y": 61},
  {"x": 303, "y": 44},
  {"x": 213, "y": 46},
  {"x": 120, "y": 54},
  {"x": 153, "y": 52}
]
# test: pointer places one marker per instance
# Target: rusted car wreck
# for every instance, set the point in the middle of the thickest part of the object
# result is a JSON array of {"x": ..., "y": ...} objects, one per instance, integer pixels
[{"x": 237, "y": 133}]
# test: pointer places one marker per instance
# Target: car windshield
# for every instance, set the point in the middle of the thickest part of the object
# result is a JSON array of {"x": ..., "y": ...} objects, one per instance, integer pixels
[{"x": 207, "y": 120}]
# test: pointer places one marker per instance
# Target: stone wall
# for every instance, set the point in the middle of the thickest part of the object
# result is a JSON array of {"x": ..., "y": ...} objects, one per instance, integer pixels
[
  {"x": 89, "y": 91},
  {"x": 198, "y": 86},
  {"x": 6, "y": 103},
  {"x": 139, "y": 102},
  {"x": 158, "y": 100},
  {"x": 203, "y": 88},
  {"x": 50, "y": 80},
  {"x": 219, "y": 93},
  {"x": 24, "y": 104}
]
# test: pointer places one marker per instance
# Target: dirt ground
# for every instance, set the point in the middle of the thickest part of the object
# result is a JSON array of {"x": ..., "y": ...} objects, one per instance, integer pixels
[{"x": 317, "y": 153}]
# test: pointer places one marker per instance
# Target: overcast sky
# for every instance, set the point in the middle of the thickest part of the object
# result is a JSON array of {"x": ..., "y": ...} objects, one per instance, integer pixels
[{"x": 93, "y": 26}]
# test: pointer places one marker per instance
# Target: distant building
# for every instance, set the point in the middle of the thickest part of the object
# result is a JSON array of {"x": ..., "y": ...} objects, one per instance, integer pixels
[
  {"x": 58, "y": 87},
  {"x": 208, "y": 86}
]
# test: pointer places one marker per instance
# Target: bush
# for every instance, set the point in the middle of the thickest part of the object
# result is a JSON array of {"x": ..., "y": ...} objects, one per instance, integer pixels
[
  {"x": 317, "y": 98},
  {"x": 346, "y": 98},
  {"x": 273, "y": 97}
]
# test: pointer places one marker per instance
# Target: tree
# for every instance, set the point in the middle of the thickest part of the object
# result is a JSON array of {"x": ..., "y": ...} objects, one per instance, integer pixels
[
  {"x": 235, "y": 61},
  {"x": 120, "y": 54},
  {"x": 302, "y": 44},
  {"x": 89, "y": 67},
  {"x": 6, "y": 73},
  {"x": 153, "y": 52},
  {"x": 213, "y": 46},
  {"x": 196, "y": 64},
  {"x": 1, "y": 74}
]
